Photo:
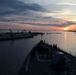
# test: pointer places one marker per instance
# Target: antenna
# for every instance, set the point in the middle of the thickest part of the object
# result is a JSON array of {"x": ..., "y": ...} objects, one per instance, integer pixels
[{"x": 41, "y": 37}]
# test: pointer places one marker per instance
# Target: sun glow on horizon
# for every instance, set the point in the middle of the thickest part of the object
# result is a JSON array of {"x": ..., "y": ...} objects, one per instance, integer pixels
[{"x": 66, "y": 28}]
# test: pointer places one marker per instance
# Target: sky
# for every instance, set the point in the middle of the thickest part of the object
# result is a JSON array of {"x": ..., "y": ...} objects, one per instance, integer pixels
[{"x": 38, "y": 14}]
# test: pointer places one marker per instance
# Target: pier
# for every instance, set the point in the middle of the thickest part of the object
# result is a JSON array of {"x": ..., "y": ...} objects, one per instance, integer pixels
[{"x": 18, "y": 35}]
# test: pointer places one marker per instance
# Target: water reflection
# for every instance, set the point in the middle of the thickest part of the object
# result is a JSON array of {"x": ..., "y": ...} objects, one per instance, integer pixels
[
  {"x": 65, "y": 36},
  {"x": 65, "y": 40}
]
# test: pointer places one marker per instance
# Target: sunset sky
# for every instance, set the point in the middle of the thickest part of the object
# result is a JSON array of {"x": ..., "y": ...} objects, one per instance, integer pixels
[{"x": 38, "y": 14}]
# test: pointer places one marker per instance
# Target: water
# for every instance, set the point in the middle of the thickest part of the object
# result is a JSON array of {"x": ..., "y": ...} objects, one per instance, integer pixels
[
  {"x": 65, "y": 40},
  {"x": 14, "y": 52}
]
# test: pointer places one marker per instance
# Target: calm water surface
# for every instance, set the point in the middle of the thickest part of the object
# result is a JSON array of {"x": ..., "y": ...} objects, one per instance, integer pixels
[
  {"x": 14, "y": 52},
  {"x": 65, "y": 40}
]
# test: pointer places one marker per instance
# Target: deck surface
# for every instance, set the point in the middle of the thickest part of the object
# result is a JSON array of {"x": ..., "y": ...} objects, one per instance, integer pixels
[{"x": 39, "y": 64}]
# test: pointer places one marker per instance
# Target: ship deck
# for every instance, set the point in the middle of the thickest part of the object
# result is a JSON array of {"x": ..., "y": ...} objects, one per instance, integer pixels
[{"x": 37, "y": 63}]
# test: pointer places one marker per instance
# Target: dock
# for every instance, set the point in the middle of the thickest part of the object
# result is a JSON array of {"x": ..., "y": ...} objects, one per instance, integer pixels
[{"x": 18, "y": 35}]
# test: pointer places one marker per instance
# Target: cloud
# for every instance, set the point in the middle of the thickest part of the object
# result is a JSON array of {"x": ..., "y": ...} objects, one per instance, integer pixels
[
  {"x": 67, "y": 4},
  {"x": 15, "y": 7},
  {"x": 50, "y": 24},
  {"x": 28, "y": 13},
  {"x": 38, "y": 21}
]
